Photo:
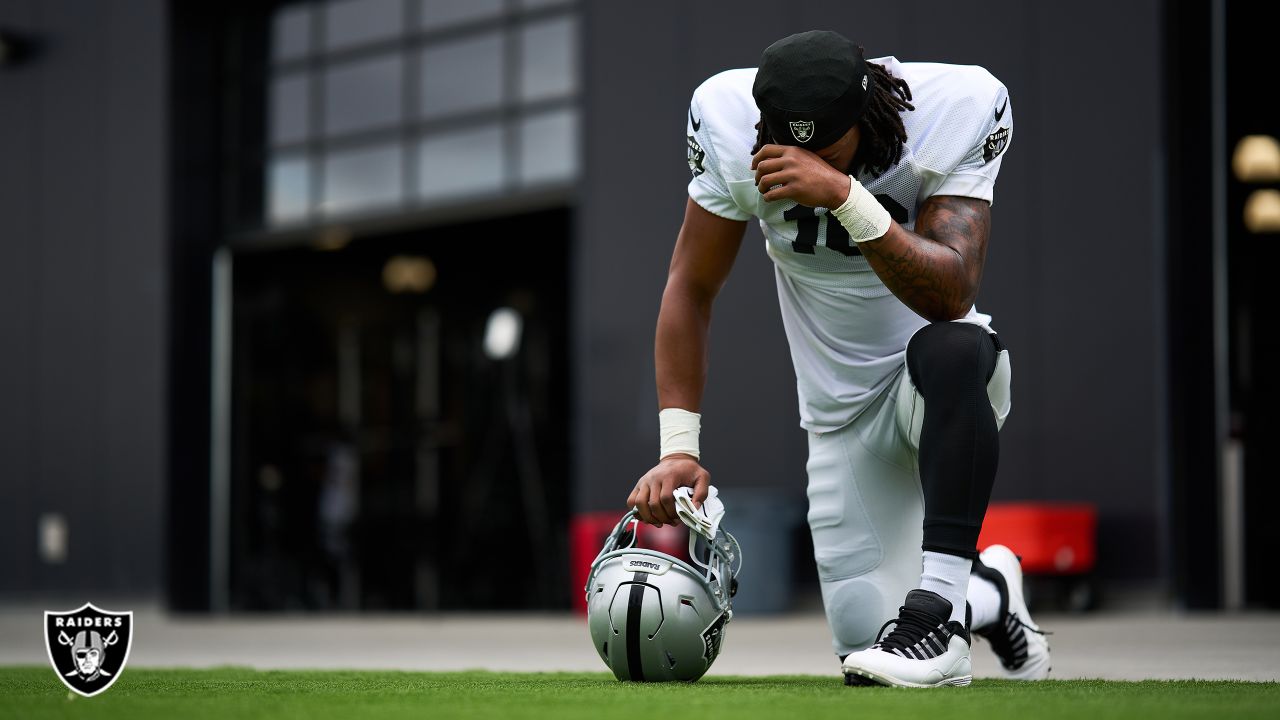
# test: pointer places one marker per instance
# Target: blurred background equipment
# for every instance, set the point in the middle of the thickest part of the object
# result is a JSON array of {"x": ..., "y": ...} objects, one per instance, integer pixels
[
  {"x": 1057, "y": 546},
  {"x": 14, "y": 48}
]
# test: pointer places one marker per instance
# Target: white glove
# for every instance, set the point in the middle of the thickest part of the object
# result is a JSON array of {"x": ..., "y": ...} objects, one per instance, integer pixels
[{"x": 704, "y": 520}]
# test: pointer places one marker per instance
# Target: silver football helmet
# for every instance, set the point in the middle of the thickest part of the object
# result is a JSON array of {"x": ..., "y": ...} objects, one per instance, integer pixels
[{"x": 656, "y": 617}]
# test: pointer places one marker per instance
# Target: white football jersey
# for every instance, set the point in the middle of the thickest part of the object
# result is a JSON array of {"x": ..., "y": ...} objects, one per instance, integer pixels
[{"x": 848, "y": 333}]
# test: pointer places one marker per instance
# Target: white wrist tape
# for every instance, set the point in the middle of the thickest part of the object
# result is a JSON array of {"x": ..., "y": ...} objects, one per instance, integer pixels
[
  {"x": 679, "y": 432},
  {"x": 862, "y": 215}
]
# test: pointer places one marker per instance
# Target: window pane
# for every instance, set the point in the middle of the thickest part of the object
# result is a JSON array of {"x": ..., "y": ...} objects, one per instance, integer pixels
[
  {"x": 288, "y": 188},
  {"x": 291, "y": 33},
  {"x": 362, "y": 179},
  {"x": 549, "y": 147},
  {"x": 290, "y": 108},
  {"x": 443, "y": 13},
  {"x": 460, "y": 163},
  {"x": 363, "y": 95},
  {"x": 356, "y": 22},
  {"x": 548, "y": 59},
  {"x": 462, "y": 76},
  {"x": 534, "y": 4}
]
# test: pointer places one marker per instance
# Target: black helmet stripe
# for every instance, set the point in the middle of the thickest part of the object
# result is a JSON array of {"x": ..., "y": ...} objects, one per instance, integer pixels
[{"x": 635, "y": 609}]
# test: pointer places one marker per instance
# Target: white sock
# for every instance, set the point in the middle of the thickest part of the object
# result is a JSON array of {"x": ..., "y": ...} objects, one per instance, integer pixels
[
  {"x": 984, "y": 598},
  {"x": 947, "y": 575}
]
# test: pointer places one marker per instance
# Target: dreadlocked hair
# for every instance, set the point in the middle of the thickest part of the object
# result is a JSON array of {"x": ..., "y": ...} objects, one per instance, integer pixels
[{"x": 883, "y": 134}]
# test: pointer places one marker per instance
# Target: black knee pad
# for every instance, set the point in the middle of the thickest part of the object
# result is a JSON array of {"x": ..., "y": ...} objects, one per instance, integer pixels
[{"x": 946, "y": 357}]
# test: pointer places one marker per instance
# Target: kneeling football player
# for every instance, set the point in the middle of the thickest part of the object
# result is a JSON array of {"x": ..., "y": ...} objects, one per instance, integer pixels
[{"x": 872, "y": 181}]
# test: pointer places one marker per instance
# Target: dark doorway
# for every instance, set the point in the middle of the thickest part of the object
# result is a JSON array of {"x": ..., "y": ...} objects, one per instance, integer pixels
[
  {"x": 1253, "y": 255},
  {"x": 382, "y": 457},
  {"x": 1222, "y": 536},
  {"x": 1195, "y": 531}
]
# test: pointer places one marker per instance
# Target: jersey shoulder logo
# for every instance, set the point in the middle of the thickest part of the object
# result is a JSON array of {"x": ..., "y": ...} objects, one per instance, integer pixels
[
  {"x": 697, "y": 124},
  {"x": 995, "y": 144},
  {"x": 88, "y": 647},
  {"x": 697, "y": 156},
  {"x": 802, "y": 130},
  {"x": 999, "y": 113}
]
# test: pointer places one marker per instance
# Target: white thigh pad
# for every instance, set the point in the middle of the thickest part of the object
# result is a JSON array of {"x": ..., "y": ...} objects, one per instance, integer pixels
[{"x": 866, "y": 515}]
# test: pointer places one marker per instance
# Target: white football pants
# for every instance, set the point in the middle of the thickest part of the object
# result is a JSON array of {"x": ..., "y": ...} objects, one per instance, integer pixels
[{"x": 866, "y": 508}]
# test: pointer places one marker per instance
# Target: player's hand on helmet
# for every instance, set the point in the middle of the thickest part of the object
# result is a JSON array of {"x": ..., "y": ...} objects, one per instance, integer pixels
[
  {"x": 653, "y": 497},
  {"x": 784, "y": 172}
]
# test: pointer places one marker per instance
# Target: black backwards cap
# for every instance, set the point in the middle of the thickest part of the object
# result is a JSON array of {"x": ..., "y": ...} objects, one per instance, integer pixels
[{"x": 811, "y": 88}]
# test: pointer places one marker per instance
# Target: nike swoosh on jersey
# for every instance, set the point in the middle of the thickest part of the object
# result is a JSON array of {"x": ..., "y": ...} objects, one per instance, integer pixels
[
  {"x": 999, "y": 113},
  {"x": 698, "y": 123}
]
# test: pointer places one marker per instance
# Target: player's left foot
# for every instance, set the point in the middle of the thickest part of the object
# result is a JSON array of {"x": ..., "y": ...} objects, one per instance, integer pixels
[
  {"x": 1020, "y": 644},
  {"x": 925, "y": 648}
]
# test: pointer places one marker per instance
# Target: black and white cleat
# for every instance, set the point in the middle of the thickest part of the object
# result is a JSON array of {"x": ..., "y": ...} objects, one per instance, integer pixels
[{"x": 1020, "y": 644}]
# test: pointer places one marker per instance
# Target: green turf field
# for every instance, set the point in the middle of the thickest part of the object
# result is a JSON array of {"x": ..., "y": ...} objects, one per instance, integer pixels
[{"x": 242, "y": 694}]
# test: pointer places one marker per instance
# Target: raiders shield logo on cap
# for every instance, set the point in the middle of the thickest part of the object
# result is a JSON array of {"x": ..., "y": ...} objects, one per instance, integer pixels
[
  {"x": 802, "y": 130},
  {"x": 88, "y": 647}
]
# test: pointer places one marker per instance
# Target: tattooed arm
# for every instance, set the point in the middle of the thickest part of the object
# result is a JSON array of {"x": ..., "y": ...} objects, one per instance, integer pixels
[
  {"x": 937, "y": 269},
  {"x": 934, "y": 270}
]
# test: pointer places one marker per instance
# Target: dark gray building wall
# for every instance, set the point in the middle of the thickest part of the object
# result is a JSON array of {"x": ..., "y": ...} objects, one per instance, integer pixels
[
  {"x": 1074, "y": 277},
  {"x": 82, "y": 196}
]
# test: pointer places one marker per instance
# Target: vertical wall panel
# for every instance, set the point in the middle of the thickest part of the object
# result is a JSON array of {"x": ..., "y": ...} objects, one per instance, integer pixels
[
  {"x": 82, "y": 194},
  {"x": 19, "y": 288}
]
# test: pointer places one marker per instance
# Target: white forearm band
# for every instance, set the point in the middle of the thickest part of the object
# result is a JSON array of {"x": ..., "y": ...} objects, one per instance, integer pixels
[
  {"x": 679, "y": 432},
  {"x": 862, "y": 215}
]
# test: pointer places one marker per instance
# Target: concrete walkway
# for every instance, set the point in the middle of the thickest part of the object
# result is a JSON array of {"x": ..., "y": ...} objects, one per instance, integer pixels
[{"x": 1129, "y": 647}]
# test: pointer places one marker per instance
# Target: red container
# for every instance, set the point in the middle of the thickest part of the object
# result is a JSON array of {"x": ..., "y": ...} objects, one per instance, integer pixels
[
  {"x": 1052, "y": 538},
  {"x": 588, "y": 531}
]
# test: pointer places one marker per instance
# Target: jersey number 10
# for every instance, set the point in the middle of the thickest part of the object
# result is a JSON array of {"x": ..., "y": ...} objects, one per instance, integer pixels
[{"x": 837, "y": 236}]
